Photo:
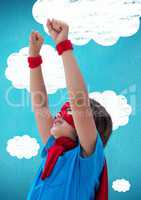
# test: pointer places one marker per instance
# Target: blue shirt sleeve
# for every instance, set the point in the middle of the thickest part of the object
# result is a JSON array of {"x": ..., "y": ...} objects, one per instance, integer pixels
[
  {"x": 49, "y": 142},
  {"x": 91, "y": 166}
]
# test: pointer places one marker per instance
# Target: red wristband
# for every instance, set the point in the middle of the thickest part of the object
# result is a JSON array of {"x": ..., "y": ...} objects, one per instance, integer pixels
[
  {"x": 34, "y": 61},
  {"x": 63, "y": 46}
]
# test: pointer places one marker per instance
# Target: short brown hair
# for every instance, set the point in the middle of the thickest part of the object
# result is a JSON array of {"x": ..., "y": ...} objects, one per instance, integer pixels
[{"x": 102, "y": 119}]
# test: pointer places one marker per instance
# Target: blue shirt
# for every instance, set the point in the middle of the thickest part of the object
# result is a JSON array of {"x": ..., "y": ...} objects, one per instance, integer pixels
[{"x": 74, "y": 177}]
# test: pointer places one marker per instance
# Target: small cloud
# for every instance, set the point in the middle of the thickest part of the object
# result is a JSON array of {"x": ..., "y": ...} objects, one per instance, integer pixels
[
  {"x": 103, "y": 21},
  {"x": 22, "y": 147},
  {"x": 116, "y": 106},
  {"x": 18, "y": 71},
  {"x": 121, "y": 185}
]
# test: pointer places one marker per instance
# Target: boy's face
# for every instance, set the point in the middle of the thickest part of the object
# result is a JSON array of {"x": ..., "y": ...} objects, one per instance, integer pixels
[{"x": 62, "y": 128}]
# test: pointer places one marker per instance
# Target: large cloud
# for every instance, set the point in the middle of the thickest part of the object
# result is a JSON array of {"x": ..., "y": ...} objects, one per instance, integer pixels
[
  {"x": 121, "y": 185},
  {"x": 103, "y": 21},
  {"x": 116, "y": 105},
  {"x": 22, "y": 147}
]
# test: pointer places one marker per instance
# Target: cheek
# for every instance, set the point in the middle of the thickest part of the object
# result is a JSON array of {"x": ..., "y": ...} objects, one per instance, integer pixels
[
  {"x": 70, "y": 129},
  {"x": 62, "y": 127}
]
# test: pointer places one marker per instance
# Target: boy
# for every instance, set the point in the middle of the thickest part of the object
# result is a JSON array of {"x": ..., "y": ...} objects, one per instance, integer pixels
[{"x": 73, "y": 156}]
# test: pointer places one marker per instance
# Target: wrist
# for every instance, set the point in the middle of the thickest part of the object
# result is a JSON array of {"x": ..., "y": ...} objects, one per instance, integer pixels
[
  {"x": 57, "y": 42},
  {"x": 67, "y": 52},
  {"x": 34, "y": 54}
]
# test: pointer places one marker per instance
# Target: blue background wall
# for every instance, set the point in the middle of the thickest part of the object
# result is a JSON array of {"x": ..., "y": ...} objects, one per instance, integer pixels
[{"x": 116, "y": 68}]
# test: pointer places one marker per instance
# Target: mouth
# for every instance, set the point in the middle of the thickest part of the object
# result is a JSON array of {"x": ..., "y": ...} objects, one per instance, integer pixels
[{"x": 57, "y": 121}]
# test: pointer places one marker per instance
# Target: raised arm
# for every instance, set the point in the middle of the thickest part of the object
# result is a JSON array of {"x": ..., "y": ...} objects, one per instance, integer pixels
[
  {"x": 39, "y": 98},
  {"x": 78, "y": 94}
]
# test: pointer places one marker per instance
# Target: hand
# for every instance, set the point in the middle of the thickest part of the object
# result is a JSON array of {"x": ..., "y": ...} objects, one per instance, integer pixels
[
  {"x": 35, "y": 41},
  {"x": 58, "y": 30}
]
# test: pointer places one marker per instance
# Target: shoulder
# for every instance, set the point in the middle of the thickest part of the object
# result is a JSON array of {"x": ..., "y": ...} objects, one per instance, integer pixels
[
  {"x": 49, "y": 143},
  {"x": 96, "y": 158},
  {"x": 97, "y": 148},
  {"x": 92, "y": 164}
]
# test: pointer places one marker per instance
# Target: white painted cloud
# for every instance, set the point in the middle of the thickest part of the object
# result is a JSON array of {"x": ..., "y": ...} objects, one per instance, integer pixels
[
  {"x": 103, "y": 21},
  {"x": 22, "y": 147},
  {"x": 18, "y": 71},
  {"x": 116, "y": 105},
  {"x": 121, "y": 185}
]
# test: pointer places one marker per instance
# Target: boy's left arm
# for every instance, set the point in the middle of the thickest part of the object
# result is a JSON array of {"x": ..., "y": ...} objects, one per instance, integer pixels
[
  {"x": 78, "y": 94},
  {"x": 79, "y": 103}
]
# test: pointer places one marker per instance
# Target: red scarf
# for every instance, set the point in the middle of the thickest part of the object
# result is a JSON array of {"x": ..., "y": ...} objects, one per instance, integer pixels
[{"x": 63, "y": 144}]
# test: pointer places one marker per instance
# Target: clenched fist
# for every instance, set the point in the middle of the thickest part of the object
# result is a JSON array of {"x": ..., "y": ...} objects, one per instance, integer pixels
[
  {"x": 58, "y": 30},
  {"x": 35, "y": 44}
]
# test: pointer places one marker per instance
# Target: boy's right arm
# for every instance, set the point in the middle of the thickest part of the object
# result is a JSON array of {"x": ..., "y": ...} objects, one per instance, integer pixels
[
  {"x": 44, "y": 121},
  {"x": 39, "y": 97}
]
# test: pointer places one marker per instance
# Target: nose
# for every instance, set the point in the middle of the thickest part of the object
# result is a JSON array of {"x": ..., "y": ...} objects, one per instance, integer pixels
[{"x": 58, "y": 116}]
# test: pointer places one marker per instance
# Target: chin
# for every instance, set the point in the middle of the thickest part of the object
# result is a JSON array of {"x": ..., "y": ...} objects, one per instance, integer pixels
[{"x": 55, "y": 132}]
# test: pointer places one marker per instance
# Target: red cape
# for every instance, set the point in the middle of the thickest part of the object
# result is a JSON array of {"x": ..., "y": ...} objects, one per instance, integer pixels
[{"x": 102, "y": 192}]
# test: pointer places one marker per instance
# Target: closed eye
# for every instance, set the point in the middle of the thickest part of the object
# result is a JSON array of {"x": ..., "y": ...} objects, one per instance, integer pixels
[{"x": 69, "y": 111}]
